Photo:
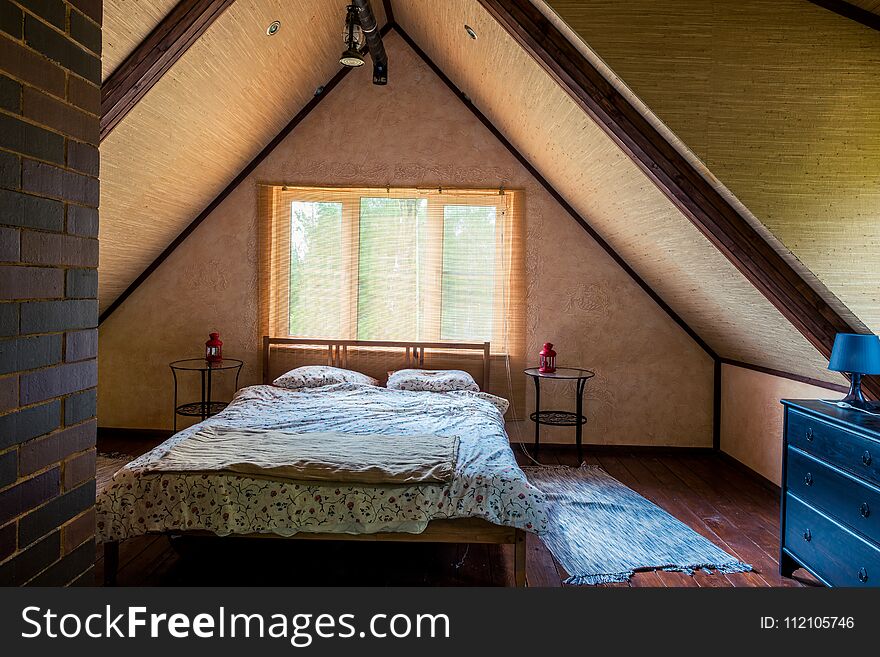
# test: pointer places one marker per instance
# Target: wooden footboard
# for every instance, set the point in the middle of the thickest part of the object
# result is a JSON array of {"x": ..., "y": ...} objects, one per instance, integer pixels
[{"x": 464, "y": 530}]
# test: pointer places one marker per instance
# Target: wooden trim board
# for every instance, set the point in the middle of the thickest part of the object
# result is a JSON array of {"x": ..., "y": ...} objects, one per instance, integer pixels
[
  {"x": 389, "y": 12},
  {"x": 850, "y": 11},
  {"x": 133, "y": 434},
  {"x": 787, "y": 375}
]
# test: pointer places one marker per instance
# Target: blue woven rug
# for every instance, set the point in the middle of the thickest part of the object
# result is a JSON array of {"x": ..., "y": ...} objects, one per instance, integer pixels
[{"x": 602, "y": 531}]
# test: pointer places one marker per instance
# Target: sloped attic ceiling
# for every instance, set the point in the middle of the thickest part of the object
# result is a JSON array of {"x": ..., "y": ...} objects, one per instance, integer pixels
[
  {"x": 797, "y": 141},
  {"x": 606, "y": 187},
  {"x": 215, "y": 109},
  {"x": 126, "y": 24},
  {"x": 205, "y": 119}
]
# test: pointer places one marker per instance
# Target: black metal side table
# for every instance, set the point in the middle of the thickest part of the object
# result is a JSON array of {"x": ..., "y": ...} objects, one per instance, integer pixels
[
  {"x": 206, "y": 407},
  {"x": 561, "y": 418}
]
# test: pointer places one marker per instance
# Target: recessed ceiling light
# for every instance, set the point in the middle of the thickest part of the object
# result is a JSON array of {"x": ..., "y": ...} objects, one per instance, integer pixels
[
  {"x": 273, "y": 28},
  {"x": 471, "y": 33}
]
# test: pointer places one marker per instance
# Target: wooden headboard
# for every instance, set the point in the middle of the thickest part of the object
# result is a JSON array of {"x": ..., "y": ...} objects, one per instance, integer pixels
[{"x": 387, "y": 355}]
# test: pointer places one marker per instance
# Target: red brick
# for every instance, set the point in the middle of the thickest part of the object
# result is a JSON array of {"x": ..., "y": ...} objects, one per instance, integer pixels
[
  {"x": 8, "y": 540},
  {"x": 8, "y": 393},
  {"x": 80, "y": 529},
  {"x": 31, "y": 282},
  {"x": 78, "y": 469},
  {"x": 59, "y": 116},
  {"x": 37, "y": 454},
  {"x": 55, "y": 249},
  {"x": 31, "y": 67},
  {"x": 85, "y": 158},
  {"x": 47, "y": 180},
  {"x": 91, "y": 8},
  {"x": 82, "y": 221},
  {"x": 9, "y": 243},
  {"x": 80, "y": 345},
  {"x": 29, "y": 494},
  {"x": 58, "y": 380},
  {"x": 84, "y": 95}
]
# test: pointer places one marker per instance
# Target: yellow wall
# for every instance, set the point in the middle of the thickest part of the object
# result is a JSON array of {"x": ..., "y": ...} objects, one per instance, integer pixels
[
  {"x": 751, "y": 416},
  {"x": 653, "y": 383},
  {"x": 781, "y": 100}
]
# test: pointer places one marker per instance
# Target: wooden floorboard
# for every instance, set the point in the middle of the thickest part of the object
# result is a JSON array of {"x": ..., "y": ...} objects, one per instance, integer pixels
[{"x": 715, "y": 498}]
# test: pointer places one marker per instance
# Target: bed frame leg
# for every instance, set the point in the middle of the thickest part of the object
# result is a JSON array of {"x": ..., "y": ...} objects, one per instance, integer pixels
[
  {"x": 519, "y": 558},
  {"x": 111, "y": 562}
]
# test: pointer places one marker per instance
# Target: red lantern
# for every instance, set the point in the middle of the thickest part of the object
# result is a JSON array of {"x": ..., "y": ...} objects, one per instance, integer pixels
[
  {"x": 214, "y": 349},
  {"x": 547, "y": 359}
]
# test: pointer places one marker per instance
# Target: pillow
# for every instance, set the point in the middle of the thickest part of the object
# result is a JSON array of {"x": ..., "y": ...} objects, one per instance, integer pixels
[
  {"x": 498, "y": 402},
  {"x": 432, "y": 380},
  {"x": 315, "y": 376}
]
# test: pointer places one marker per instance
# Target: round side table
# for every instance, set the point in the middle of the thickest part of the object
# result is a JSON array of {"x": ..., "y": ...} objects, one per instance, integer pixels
[
  {"x": 205, "y": 407},
  {"x": 561, "y": 418}
]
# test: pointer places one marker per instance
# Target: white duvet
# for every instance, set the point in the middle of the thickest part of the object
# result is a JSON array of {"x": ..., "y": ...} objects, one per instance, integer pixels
[{"x": 487, "y": 482}]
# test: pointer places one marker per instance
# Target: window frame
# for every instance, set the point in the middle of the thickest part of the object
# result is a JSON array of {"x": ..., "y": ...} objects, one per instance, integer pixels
[{"x": 277, "y": 243}]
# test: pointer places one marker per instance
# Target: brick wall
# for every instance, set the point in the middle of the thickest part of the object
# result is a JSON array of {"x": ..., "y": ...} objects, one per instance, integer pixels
[{"x": 50, "y": 75}]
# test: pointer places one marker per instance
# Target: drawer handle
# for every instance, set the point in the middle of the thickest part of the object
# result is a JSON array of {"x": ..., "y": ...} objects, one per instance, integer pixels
[
  {"x": 808, "y": 535},
  {"x": 863, "y": 575},
  {"x": 810, "y": 434},
  {"x": 864, "y": 509},
  {"x": 866, "y": 458},
  {"x": 808, "y": 479}
]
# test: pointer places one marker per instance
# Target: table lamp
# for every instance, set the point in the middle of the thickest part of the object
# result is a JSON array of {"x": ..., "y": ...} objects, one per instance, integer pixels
[{"x": 856, "y": 354}]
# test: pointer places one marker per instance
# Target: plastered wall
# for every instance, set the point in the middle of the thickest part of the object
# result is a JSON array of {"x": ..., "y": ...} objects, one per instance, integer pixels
[{"x": 751, "y": 416}]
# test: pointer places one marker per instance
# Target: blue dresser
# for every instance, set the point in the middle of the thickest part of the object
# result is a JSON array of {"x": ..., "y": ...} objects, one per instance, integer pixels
[{"x": 830, "y": 522}]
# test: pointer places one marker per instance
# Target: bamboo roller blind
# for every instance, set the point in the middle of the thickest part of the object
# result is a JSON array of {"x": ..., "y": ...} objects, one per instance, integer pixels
[{"x": 397, "y": 264}]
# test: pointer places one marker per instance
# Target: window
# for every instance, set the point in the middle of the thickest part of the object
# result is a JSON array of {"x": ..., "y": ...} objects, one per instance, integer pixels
[{"x": 393, "y": 264}]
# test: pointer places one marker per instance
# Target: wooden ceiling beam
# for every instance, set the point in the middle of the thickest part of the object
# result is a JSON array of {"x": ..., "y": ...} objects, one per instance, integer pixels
[
  {"x": 145, "y": 66},
  {"x": 850, "y": 11},
  {"x": 389, "y": 12},
  {"x": 713, "y": 215}
]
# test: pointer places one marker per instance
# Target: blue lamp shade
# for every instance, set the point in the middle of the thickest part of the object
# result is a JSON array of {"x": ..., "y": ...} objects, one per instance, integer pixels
[{"x": 855, "y": 353}]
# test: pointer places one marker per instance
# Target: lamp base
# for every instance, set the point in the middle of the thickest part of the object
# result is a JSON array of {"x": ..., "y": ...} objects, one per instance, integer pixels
[{"x": 855, "y": 398}]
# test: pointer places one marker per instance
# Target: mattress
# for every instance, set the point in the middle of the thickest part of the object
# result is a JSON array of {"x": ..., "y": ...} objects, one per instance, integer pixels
[{"x": 487, "y": 483}]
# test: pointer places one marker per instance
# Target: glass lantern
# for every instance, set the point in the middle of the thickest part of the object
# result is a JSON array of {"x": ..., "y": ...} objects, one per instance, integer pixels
[
  {"x": 547, "y": 359},
  {"x": 214, "y": 349}
]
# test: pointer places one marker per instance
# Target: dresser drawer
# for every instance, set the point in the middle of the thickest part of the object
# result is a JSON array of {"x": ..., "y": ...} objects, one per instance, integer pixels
[
  {"x": 844, "y": 449},
  {"x": 829, "y": 549},
  {"x": 843, "y": 497}
]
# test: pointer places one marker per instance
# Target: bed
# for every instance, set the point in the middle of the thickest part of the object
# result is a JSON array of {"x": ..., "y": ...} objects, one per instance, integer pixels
[{"x": 487, "y": 499}]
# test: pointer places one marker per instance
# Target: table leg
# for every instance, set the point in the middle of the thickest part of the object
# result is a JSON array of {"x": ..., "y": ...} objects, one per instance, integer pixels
[
  {"x": 579, "y": 428},
  {"x": 111, "y": 562},
  {"x": 208, "y": 405},
  {"x": 537, "y": 412},
  {"x": 203, "y": 409},
  {"x": 174, "y": 410}
]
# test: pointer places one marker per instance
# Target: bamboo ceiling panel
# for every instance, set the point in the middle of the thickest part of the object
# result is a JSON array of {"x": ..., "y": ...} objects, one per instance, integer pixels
[
  {"x": 126, "y": 24},
  {"x": 205, "y": 119},
  {"x": 781, "y": 101},
  {"x": 607, "y": 188}
]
